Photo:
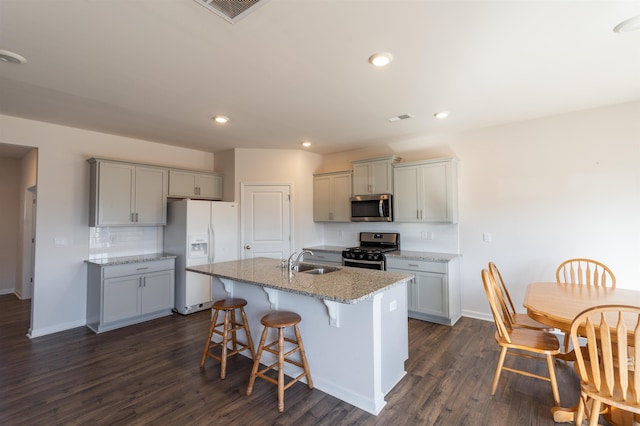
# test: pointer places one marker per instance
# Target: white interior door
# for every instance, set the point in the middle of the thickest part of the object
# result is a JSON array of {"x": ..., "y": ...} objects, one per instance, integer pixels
[{"x": 266, "y": 221}]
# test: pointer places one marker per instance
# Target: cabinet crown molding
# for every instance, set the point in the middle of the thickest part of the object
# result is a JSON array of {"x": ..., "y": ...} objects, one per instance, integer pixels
[
  {"x": 431, "y": 161},
  {"x": 391, "y": 158}
]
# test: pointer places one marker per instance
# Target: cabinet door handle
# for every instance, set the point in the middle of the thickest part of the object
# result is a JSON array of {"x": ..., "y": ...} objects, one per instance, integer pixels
[
  {"x": 142, "y": 269},
  {"x": 136, "y": 217},
  {"x": 413, "y": 264},
  {"x": 144, "y": 281},
  {"x": 197, "y": 190},
  {"x": 132, "y": 217},
  {"x": 417, "y": 214}
]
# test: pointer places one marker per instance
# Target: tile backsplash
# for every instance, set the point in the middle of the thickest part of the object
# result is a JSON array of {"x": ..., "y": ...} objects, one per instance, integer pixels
[{"x": 119, "y": 241}]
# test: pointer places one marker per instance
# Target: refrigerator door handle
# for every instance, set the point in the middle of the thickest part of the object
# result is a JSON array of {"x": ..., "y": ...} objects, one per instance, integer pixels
[{"x": 211, "y": 254}]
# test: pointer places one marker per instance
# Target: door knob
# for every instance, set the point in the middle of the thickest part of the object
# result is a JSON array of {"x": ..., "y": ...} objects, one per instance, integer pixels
[{"x": 247, "y": 247}]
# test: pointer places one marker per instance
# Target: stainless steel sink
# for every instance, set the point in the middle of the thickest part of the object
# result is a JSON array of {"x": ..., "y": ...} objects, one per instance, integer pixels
[{"x": 316, "y": 269}]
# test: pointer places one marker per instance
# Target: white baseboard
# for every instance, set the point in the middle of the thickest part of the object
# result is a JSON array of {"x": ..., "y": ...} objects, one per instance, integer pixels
[{"x": 33, "y": 333}]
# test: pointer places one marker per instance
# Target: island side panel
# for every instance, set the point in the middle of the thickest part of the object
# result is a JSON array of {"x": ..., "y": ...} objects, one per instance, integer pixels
[
  {"x": 343, "y": 360},
  {"x": 395, "y": 335}
]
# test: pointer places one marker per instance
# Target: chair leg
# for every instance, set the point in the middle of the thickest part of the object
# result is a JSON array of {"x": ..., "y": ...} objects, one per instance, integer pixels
[
  {"x": 496, "y": 377},
  {"x": 581, "y": 406},
  {"x": 256, "y": 361},
  {"x": 554, "y": 382},
  {"x": 281, "y": 369},
  {"x": 594, "y": 415},
  {"x": 303, "y": 356},
  {"x": 208, "y": 342},
  {"x": 233, "y": 333},
  {"x": 225, "y": 342},
  {"x": 248, "y": 333}
]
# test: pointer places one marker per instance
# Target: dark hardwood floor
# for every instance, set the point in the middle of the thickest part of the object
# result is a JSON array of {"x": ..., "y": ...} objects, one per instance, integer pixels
[{"x": 149, "y": 374}]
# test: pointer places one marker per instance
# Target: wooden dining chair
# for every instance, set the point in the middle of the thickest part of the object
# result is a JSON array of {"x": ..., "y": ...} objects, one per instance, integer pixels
[
  {"x": 607, "y": 368},
  {"x": 518, "y": 320},
  {"x": 584, "y": 271},
  {"x": 522, "y": 342}
]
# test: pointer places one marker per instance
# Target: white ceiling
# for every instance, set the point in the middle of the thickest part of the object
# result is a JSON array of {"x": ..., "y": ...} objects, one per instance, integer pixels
[{"x": 297, "y": 70}]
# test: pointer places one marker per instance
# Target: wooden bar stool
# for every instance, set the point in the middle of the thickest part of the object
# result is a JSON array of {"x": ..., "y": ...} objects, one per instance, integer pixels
[
  {"x": 280, "y": 320},
  {"x": 229, "y": 326}
]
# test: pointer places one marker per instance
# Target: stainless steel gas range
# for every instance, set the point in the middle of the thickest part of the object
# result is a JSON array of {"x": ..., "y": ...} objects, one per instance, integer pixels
[{"x": 370, "y": 253}]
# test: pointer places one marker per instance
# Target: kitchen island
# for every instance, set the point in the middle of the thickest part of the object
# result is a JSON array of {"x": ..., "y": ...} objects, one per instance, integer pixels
[{"x": 354, "y": 321}]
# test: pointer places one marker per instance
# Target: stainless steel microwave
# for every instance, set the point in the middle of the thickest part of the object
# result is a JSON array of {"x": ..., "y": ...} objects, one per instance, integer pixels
[{"x": 371, "y": 208}]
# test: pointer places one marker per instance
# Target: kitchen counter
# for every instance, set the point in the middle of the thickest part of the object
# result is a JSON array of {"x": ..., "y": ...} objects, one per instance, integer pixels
[
  {"x": 354, "y": 322},
  {"x": 346, "y": 285},
  {"x": 122, "y": 260},
  {"x": 423, "y": 255}
]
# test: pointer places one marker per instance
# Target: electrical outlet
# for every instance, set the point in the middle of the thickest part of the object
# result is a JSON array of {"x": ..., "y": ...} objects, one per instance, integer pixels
[
  {"x": 393, "y": 305},
  {"x": 486, "y": 237},
  {"x": 427, "y": 235}
]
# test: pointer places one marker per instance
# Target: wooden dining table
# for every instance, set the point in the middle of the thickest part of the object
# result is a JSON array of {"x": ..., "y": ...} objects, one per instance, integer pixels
[{"x": 556, "y": 305}]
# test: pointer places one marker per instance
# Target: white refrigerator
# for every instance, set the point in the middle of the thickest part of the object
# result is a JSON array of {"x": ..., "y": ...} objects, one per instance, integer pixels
[{"x": 199, "y": 232}]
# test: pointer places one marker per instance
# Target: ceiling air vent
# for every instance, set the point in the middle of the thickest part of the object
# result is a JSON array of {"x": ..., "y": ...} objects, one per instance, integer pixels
[
  {"x": 400, "y": 117},
  {"x": 231, "y": 10}
]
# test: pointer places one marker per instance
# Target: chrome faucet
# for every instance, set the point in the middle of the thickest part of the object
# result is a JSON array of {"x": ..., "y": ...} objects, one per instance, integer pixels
[
  {"x": 299, "y": 256},
  {"x": 290, "y": 261}
]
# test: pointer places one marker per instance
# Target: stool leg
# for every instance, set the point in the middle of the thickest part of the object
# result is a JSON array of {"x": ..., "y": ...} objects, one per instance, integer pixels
[
  {"x": 225, "y": 342},
  {"x": 281, "y": 369},
  {"x": 307, "y": 373},
  {"x": 248, "y": 333},
  {"x": 208, "y": 342},
  {"x": 256, "y": 361},
  {"x": 233, "y": 333}
]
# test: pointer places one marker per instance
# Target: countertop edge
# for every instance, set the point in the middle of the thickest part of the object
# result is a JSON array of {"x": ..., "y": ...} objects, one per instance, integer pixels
[
  {"x": 400, "y": 254},
  {"x": 123, "y": 260}
]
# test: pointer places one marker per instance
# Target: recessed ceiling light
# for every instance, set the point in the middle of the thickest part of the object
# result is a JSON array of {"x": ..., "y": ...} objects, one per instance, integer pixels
[
  {"x": 10, "y": 57},
  {"x": 306, "y": 144},
  {"x": 221, "y": 119},
  {"x": 631, "y": 24},
  {"x": 441, "y": 115},
  {"x": 380, "y": 59}
]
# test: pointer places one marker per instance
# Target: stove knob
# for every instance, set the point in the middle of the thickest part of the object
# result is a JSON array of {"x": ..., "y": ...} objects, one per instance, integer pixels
[{"x": 361, "y": 256}]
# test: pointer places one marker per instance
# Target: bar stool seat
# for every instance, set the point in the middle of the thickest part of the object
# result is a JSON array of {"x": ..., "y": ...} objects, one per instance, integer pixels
[
  {"x": 229, "y": 326},
  {"x": 280, "y": 320}
]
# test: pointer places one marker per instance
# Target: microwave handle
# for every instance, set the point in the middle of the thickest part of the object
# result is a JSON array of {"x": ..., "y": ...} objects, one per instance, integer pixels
[{"x": 380, "y": 210}]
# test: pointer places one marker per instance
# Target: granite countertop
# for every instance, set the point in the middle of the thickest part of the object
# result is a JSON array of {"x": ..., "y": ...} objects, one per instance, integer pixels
[
  {"x": 423, "y": 255},
  {"x": 403, "y": 254},
  {"x": 121, "y": 260},
  {"x": 347, "y": 285}
]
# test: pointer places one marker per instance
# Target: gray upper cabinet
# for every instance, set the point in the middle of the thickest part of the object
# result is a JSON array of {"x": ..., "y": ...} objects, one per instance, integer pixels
[
  {"x": 426, "y": 191},
  {"x": 127, "y": 194},
  {"x": 331, "y": 197},
  {"x": 373, "y": 176},
  {"x": 189, "y": 184}
]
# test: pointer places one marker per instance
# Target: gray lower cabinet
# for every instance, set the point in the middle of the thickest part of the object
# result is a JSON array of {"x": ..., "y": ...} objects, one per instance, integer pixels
[
  {"x": 121, "y": 295},
  {"x": 434, "y": 294}
]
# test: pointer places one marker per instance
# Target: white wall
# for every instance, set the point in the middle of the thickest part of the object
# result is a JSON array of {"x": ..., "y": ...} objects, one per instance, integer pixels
[
  {"x": 59, "y": 298},
  {"x": 547, "y": 190},
  {"x": 9, "y": 223},
  {"x": 284, "y": 166}
]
